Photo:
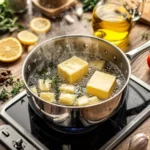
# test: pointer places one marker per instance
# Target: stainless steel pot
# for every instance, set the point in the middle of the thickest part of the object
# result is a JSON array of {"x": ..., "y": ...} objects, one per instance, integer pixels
[{"x": 52, "y": 49}]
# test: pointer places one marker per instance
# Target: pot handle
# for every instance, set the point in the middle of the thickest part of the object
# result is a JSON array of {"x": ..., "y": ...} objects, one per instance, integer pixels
[{"x": 133, "y": 54}]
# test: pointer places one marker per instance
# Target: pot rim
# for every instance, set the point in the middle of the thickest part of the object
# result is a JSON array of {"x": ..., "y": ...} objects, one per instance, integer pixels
[{"x": 77, "y": 107}]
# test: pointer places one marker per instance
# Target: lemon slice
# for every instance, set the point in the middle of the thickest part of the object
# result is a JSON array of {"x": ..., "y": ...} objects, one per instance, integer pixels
[
  {"x": 40, "y": 25},
  {"x": 10, "y": 49},
  {"x": 27, "y": 38}
]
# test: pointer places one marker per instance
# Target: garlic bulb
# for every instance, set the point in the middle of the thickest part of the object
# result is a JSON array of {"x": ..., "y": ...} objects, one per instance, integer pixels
[{"x": 139, "y": 142}]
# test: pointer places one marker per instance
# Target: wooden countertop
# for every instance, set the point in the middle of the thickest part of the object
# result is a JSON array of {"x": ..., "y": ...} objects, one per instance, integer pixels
[{"x": 83, "y": 26}]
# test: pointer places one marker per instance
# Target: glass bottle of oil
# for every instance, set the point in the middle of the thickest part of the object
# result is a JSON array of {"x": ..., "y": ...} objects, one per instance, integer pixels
[{"x": 112, "y": 22}]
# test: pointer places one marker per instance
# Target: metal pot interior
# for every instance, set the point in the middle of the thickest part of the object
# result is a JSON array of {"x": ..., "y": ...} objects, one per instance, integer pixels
[{"x": 52, "y": 50}]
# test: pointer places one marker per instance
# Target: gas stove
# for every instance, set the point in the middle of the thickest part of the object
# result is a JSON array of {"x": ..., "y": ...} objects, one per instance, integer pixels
[{"x": 25, "y": 130}]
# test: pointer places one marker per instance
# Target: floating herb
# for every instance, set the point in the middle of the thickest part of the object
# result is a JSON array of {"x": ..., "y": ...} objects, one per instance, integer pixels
[
  {"x": 55, "y": 84},
  {"x": 4, "y": 95},
  {"x": 79, "y": 92}
]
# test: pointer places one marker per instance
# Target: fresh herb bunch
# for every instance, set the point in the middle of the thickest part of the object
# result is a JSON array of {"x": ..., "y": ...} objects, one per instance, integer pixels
[
  {"x": 8, "y": 20},
  {"x": 88, "y": 5}
]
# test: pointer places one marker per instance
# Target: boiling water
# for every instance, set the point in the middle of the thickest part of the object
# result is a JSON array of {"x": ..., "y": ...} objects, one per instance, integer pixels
[{"x": 80, "y": 85}]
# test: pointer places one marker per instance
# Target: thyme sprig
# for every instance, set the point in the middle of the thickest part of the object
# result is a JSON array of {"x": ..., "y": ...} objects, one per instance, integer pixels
[
  {"x": 55, "y": 81},
  {"x": 17, "y": 86},
  {"x": 4, "y": 95},
  {"x": 79, "y": 92}
]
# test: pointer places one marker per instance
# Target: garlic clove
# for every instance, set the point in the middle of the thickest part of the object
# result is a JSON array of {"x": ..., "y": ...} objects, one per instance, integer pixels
[
  {"x": 69, "y": 19},
  {"x": 79, "y": 12},
  {"x": 139, "y": 142}
]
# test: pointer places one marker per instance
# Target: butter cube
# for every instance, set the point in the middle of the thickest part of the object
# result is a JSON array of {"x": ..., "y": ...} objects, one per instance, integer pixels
[
  {"x": 44, "y": 85},
  {"x": 97, "y": 64},
  {"x": 93, "y": 100},
  {"x": 67, "y": 99},
  {"x": 101, "y": 85},
  {"x": 67, "y": 88},
  {"x": 73, "y": 69},
  {"x": 83, "y": 101},
  {"x": 47, "y": 96},
  {"x": 34, "y": 90}
]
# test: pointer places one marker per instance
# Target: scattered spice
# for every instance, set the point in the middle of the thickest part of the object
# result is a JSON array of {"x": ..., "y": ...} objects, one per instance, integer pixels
[
  {"x": 4, "y": 76},
  {"x": 14, "y": 86},
  {"x": 145, "y": 36}
]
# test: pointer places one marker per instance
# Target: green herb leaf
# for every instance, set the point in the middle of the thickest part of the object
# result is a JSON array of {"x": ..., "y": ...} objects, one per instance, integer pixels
[
  {"x": 4, "y": 95},
  {"x": 8, "y": 20},
  {"x": 17, "y": 87},
  {"x": 88, "y": 5},
  {"x": 79, "y": 92}
]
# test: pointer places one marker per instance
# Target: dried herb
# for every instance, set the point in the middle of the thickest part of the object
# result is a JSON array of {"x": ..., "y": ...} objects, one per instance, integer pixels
[
  {"x": 145, "y": 36},
  {"x": 11, "y": 80},
  {"x": 4, "y": 95},
  {"x": 8, "y": 20},
  {"x": 4, "y": 76},
  {"x": 17, "y": 86},
  {"x": 88, "y": 5}
]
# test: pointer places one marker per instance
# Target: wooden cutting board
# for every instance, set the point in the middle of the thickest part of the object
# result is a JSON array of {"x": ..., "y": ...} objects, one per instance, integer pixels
[{"x": 145, "y": 18}]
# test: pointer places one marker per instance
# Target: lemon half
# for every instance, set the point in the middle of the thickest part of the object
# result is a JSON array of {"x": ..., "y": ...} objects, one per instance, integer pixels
[{"x": 10, "y": 49}]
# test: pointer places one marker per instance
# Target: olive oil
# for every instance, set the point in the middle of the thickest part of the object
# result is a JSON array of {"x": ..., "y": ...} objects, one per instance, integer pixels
[{"x": 113, "y": 23}]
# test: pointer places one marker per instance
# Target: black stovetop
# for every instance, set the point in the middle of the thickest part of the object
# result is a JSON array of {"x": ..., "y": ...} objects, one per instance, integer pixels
[{"x": 136, "y": 99}]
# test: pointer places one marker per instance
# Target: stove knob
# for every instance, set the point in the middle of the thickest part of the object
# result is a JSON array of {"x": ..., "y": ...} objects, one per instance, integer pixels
[{"x": 18, "y": 144}]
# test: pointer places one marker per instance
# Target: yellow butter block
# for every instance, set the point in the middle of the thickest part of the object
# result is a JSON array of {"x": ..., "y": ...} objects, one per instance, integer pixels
[
  {"x": 97, "y": 64},
  {"x": 93, "y": 100},
  {"x": 34, "y": 90},
  {"x": 73, "y": 69},
  {"x": 65, "y": 88},
  {"x": 47, "y": 96},
  {"x": 67, "y": 99},
  {"x": 82, "y": 101},
  {"x": 101, "y": 85},
  {"x": 44, "y": 85}
]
